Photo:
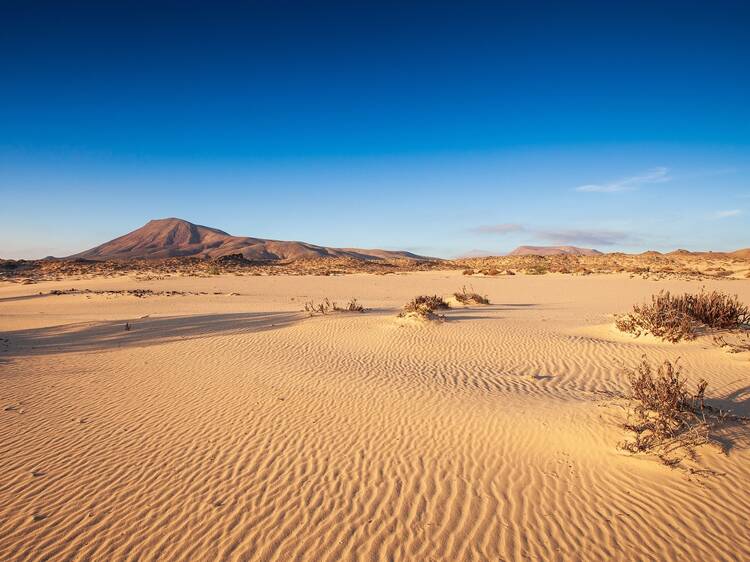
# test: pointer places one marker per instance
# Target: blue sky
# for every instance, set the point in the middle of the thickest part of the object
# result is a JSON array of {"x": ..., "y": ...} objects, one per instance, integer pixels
[{"x": 432, "y": 127}]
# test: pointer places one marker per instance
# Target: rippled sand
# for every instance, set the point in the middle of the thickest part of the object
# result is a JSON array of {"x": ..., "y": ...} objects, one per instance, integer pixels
[{"x": 233, "y": 426}]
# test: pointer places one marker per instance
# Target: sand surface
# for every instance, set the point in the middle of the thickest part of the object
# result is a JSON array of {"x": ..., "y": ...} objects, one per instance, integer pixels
[{"x": 234, "y": 427}]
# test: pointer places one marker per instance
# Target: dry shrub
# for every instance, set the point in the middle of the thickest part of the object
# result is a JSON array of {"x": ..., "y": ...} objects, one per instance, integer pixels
[
  {"x": 465, "y": 296},
  {"x": 468, "y": 272},
  {"x": 353, "y": 306},
  {"x": 326, "y": 306},
  {"x": 424, "y": 306},
  {"x": 716, "y": 310},
  {"x": 323, "y": 307},
  {"x": 536, "y": 269},
  {"x": 676, "y": 317},
  {"x": 666, "y": 419}
]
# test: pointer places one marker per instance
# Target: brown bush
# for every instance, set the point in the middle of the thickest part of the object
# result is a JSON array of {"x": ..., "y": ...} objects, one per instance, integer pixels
[
  {"x": 666, "y": 418},
  {"x": 676, "y": 317},
  {"x": 326, "y": 306},
  {"x": 465, "y": 296},
  {"x": 323, "y": 307},
  {"x": 352, "y": 306},
  {"x": 424, "y": 306}
]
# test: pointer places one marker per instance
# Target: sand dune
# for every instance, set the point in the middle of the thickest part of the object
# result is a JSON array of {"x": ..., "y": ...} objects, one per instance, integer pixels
[{"x": 232, "y": 426}]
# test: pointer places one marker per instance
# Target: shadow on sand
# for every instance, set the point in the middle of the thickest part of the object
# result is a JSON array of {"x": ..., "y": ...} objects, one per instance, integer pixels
[{"x": 101, "y": 336}]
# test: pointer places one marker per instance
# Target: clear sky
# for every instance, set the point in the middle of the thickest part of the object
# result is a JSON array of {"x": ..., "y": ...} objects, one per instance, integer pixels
[{"x": 436, "y": 127}]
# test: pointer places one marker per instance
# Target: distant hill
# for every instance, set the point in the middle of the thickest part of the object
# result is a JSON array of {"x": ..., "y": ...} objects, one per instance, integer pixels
[
  {"x": 743, "y": 253},
  {"x": 172, "y": 237},
  {"x": 553, "y": 251},
  {"x": 477, "y": 254}
]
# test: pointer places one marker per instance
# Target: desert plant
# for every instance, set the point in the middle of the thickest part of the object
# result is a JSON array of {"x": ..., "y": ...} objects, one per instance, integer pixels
[
  {"x": 424, "y": 306},
  {"x": 665, "y": 417},
  {"x": 326, "y": 305},
  {"x": 323, "y": 307},
  {"x": 465, "y": 296},
  {"x": 536, "y": 269},
  {"x": 352, "y": 306},
  {"x": 716, "y": 310},
  {"x": 676, "y": 317}
]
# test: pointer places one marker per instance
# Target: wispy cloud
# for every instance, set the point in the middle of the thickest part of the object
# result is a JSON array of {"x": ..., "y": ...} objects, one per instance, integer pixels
[
  {"x": 655, "y": 175},
  {"x": 727, "y": 214},
  {"x": 504, "y": 228},
  {"x": 595, "y": 237},
  {"x": 588, "y": 237}
]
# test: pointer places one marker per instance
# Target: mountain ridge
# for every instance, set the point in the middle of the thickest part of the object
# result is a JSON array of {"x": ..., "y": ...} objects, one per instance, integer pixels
[
  {"x": 175, "y": 237},
  {"x": 553, "y": 250}
]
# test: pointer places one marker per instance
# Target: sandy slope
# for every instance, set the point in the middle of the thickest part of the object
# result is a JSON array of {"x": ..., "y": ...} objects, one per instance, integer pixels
[{"x": 234, "y": 427}]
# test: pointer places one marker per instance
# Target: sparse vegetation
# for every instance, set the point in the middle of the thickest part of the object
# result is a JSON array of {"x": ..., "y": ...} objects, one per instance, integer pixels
[
  {"x": 465, "y": 296},
  {"x": 353, "y": 306},
  {"x": 650, "y": 265},
  {"x": 327, "y": 306},
  {"x": 677, "y": 317},
  {"x": 323, "y": 307},
  {"x": 424, "y": 306},
  {"x": 666, "y": 419},
  {"x": 536, "y": 269}
]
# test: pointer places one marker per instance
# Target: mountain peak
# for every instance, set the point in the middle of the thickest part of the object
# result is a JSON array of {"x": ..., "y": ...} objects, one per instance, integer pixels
[{"x": 172, "y": 237}]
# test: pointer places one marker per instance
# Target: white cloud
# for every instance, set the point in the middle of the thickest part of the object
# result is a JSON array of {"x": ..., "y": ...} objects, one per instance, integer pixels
[
  {"x": 655, "y": 175},
  {"x": 727, "y": 214}
]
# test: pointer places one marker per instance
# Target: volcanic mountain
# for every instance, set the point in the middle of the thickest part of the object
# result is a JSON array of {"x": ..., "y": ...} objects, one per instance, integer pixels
[
  {"x": 553, "y": 251},
  {"x": 166, "y": 238}
]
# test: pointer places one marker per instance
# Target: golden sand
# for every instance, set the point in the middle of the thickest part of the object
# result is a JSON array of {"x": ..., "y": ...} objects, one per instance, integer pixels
[{"x": 226, "y": 424}]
